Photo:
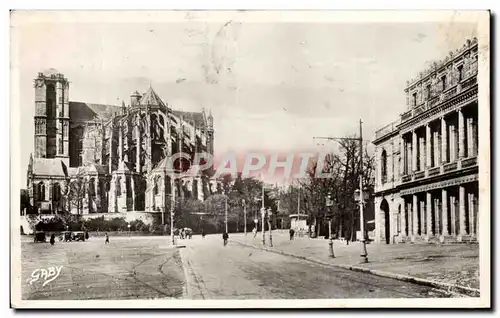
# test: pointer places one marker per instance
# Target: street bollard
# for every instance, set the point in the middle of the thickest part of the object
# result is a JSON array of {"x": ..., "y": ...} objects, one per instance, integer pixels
[{"x": 330, "y": 248}]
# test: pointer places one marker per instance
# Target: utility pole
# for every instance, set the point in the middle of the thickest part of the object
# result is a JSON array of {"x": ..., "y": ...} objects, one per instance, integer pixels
[
  {"x": 225, "y": 208},
  {"x": 364, "y": 258},
  {"x": 364, "y": 253},
  {"x": 263, "y": 215},
  {"x": 172, "y": 205},
  {"x": 298, "y": 207},
  {"x": 245, "y": 216}
]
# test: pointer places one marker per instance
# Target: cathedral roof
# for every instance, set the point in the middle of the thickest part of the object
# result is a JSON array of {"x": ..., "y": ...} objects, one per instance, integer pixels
[
  {"x": 81, "y": 111},
  {"x": 49, "y": 167},
  {"x": 151, "y": 98},
  {"x": 196, "y": 117}
]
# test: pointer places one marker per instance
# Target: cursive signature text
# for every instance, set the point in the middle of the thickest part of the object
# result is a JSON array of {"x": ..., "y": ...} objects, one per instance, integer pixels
[{"x": 47, "y": 275}]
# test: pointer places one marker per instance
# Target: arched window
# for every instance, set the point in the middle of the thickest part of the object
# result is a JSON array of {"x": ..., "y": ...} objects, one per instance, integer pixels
[
  {"x": 384, "y": 166},
  {"x": 156, "y": 188},
  {"x": 118, "y": 186},
  {"x": 92, "y": 187},
  {"x": 41, "y": 191},
  {"x": 129, "y": 187},
  {"x": 56, "y": 192}
]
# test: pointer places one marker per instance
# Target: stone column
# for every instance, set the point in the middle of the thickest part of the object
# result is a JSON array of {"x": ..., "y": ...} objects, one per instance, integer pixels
[
  {"x": 470, "y": 138},
  {"x": 451, "y": 140},
  {"x": 453, "y": 215},
  {"x": 422, "y": 155},
  {"x": 422, "y": 208},
  {"x": 474, "y": 137},
  {"x": 409, "y": 209},
  {"x": 437, "y": 150},
  {"x": 444, "y": 212},
  {"x": 444, "y": 146},
  {"x": 138, "y": 149},
  {"x": 461, "y": 134},
  {"x": 58, "y": 105},
  {"x": 415, "y": 216},
  {"x": 403, "y": 218},
  {"x": 199, "y": 184},
  {"x": 402, "y": 156},
  {"x": 120, "y": 143},
  {"x": 414, "y": 151},
  {"x": 472, "y": 215},
  {"x": 437, "y": 211},
  {"x": 461, "y": 209},
  {"x": 111, "y": 147},
  {"x": 428, "y": 146},
  {"x": 428, "y": 205}
]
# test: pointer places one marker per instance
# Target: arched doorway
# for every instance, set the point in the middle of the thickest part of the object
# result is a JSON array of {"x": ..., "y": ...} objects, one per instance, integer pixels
[{"x": 384, "y": 208}]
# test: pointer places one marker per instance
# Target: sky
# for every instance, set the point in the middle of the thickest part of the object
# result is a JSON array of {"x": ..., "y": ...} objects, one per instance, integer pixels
[{"x": 271, "y": 85}]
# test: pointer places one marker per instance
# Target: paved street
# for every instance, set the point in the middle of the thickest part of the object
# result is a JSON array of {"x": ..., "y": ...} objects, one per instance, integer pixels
[
  {"x": 453, "y": 263},
  {"x": 127, "y": 268},
  {"x": 148, "y": 267},
  {"x": 237, "y": 272}
]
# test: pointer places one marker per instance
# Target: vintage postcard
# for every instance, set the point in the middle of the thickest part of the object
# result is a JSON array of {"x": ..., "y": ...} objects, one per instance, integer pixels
[{"x": 250, "y": 159}]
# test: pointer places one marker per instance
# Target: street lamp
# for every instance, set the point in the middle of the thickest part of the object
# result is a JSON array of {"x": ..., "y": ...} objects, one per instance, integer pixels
[
  {"x": 329, "y": 204},
  {"x": 361, "y": 196},
  {"x": 263, "y": 215},
  {"x": 244, "y": 215},
  {"x": 269, "y": 215}
]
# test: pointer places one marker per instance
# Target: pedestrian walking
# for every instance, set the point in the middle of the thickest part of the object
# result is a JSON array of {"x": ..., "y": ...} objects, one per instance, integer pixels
[
  {"x": 225, "y": 236},
  {"x": 254, "y": 231},
  {"x": 86, "y": 235},
  {"x": 52, "y": 239},
  {"x": 292, "y": 232},
  {"x": 203, "y": 233},
  {"x": 107, "y": 238}
]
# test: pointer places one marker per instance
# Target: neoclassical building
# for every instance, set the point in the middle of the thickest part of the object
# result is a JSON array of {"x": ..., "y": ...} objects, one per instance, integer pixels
[
  {"x": 426, "y": 161},
  {"x": 92, "y": 158}
]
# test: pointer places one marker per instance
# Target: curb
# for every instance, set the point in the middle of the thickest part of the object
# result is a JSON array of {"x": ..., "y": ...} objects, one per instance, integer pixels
[
  {"x": 187, "y": 290},
  {"x": 451, "y": 288}
]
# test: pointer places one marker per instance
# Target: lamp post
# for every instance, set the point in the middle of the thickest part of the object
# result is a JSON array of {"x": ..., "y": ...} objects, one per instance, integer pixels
[
  {"x": 225, "y": 210},
  {"x": 361, "y": 196},
  {"x": 263, "y": 216},
  {"x": 269, "y": 214},
  {"x": 244, "y": 215},
  {"x": 329, "y": 204}
]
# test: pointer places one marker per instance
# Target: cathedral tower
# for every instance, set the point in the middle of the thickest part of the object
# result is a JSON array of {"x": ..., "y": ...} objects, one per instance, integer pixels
[{"x": 51, "y": 115}]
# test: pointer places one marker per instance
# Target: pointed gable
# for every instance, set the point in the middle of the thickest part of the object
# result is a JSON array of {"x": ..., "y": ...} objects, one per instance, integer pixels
[{"x": 151, "y": 98}]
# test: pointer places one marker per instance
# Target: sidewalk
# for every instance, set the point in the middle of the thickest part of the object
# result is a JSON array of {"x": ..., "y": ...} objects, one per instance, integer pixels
[{"x": 454, "y": 264}]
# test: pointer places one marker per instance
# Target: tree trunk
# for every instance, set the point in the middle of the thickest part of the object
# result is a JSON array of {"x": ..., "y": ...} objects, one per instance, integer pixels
[
  {"x": 353, "y": 232},
  {"x": 318, "y": 227}
]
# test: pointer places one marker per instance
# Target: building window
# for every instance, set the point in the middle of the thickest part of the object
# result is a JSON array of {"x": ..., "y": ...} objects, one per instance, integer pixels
[
  {"x": 56, "y": 192},
  {"x": 414, "y": 99},
  {"x": 384, "y": 166},
  {"x": 156, "y": 186},
  {"x": 92, "y": 187},
  {"x": 460, "y": 70},
  {"x": 41, "y": 191},
  {"x": 129, "y": 187},
  {"x": 444, "y": 82},
  {"x": 118, "y": 186},
  {"x": 61, "y": 148}
]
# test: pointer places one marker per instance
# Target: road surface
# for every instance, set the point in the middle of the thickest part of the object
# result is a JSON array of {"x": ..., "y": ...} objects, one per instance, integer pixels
[
  {"x": 149, "y": 267},
  {"x": 234, "y": 271}
]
